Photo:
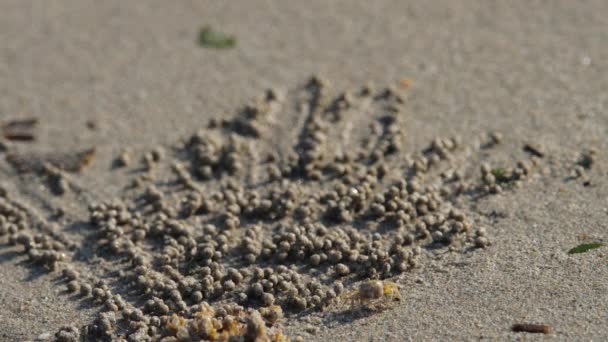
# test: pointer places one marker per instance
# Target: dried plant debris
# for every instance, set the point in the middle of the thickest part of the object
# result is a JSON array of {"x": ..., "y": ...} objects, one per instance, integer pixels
[
  {"x": 232, "y": 323},
  {"x": 19, "y": 130},
  {"x": 373, "y": 294},
  {"x": 535, "y": 149},
  {"x": 405, "y": 83},
  {"x": 585, "y": 247},
  {"x": 531, "y": 328},
  {"x": 252, "y": 217},
  {"x": 66, "y": 161},
  {"x": 209, "y": 37}
]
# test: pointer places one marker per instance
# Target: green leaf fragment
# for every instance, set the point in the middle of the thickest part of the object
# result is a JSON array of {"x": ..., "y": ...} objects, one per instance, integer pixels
[
  {"x": 500, "y": 175},
  {"x": 215, "y": 39},
  {"x": 582, "y": 248}
]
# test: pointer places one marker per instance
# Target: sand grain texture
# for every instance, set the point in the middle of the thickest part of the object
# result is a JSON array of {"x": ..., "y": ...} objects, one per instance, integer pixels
[{"x": 528, "y": 69}]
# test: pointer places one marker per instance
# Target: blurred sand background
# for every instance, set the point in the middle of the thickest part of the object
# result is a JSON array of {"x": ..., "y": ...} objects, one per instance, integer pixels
[{"x": 529, "y": 69}]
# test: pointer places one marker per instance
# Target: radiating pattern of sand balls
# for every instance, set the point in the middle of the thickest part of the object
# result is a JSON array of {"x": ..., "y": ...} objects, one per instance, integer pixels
[{"x": 254, "y": 211}]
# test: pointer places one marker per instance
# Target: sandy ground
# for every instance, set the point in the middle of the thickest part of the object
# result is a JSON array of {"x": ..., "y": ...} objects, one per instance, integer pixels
[{"x": 528, "y": 69}]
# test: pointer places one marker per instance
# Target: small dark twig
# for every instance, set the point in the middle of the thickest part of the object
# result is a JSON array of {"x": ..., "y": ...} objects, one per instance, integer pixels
[{"x": 531, "y": 328}]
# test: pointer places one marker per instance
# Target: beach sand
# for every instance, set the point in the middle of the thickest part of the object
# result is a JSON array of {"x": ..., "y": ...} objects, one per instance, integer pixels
[{"x": 531, "y": 70}]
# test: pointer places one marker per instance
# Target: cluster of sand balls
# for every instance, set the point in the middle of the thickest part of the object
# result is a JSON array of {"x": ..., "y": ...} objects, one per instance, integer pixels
[
  {"x": 495, "y": 179},
  {"x": 317, "y": 223},
  {"x": 235, "y": 323},
  {"x": 203, "y": 252},
  {"x": 46, "y": 247}
]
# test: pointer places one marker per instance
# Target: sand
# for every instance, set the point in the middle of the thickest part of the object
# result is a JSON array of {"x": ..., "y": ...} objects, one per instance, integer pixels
[{"x": 529, "y": 70}]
